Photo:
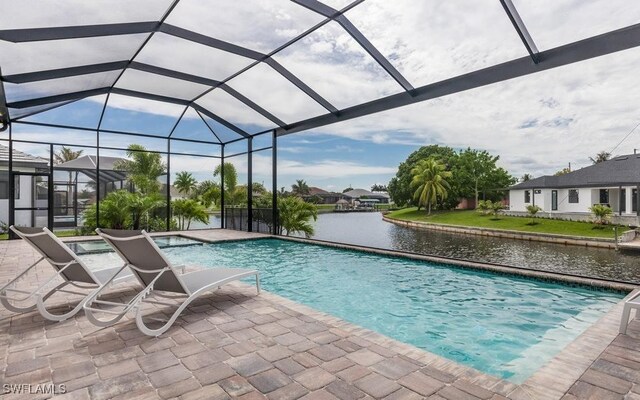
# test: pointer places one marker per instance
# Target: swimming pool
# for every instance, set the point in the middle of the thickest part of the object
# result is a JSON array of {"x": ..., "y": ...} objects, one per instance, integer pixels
[
  {"x": 100, "y": 246},
  {"x": 501, "y": 325}
]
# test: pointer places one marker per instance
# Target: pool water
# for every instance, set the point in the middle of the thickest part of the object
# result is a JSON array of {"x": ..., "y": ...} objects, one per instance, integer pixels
[
  {"x": 100, "y": 246},
  {"x": 502, "y": 325}
]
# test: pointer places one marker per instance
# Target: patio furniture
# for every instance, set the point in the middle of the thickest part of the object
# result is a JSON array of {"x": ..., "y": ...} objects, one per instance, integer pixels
[
  {"x": 158, "y": 277},
  {"x": 69, "y": 268},
  {"x": 632, "y": 302}
]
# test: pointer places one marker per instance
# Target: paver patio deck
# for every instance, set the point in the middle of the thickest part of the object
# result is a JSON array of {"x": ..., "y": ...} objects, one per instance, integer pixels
[{"x": 234, "y": 344}]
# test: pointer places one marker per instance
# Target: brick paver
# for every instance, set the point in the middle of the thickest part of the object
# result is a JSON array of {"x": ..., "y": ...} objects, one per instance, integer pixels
[{"x": 234, "y": 344}]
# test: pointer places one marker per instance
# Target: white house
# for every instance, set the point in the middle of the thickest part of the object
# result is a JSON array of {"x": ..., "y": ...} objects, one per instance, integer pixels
[
  {"x": 30, "y": 191},
  {"x": 614, "y": 183}
]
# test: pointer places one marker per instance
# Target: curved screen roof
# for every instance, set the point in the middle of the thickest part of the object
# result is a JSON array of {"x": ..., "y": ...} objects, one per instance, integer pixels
[{"x": 248, "y": 67}]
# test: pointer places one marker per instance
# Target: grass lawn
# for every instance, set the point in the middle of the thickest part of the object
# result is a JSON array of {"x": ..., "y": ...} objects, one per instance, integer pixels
[
  {"x": 5, "y": 236},
  {"x": 474, "y": 219}
]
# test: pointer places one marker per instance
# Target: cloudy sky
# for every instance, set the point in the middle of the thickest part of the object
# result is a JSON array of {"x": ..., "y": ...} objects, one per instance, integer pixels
[{"x": 537, "y": 124}]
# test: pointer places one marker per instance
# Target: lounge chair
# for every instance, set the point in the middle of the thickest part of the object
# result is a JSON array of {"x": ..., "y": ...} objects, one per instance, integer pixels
[
  {"x": 632, "y": 302},
  {"x": 158, "y": 277},
  {"x": 69, "y": 268}
]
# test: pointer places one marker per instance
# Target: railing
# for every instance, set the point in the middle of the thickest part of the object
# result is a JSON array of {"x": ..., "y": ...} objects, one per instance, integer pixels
[{"x": 237, "y": 218}]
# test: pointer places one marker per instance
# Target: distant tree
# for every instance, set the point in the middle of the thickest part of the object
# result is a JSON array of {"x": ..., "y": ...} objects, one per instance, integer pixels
[
  {"x": 400, "y": 188},
  {"x": 526, "y": 177},
  {"x": 258, "y": 188},
  {"x": 208, "y": 192},
  {"x": 233, "y": 194},
  {"x": 430, "y": 182},
  {"x": 143, "y": 168},
  {"x": 532, "y": 211},
  {"x": 477, "y": 171},
  {"x": 378, "y": 188},
  {"x": 66, "y": 154},
  {"x": 601, "y": 157},
  {"x": 185, "y": 182},
  {"x": 300, "y": 188},
  {"x": 563, "y": 171},
  {"x": 602, "y": 213},
  {"x": 345, "y": 190}
]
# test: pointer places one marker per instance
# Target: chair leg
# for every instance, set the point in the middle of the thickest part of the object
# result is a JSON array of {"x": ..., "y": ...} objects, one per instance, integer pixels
[
  {"x": 17, "y": 309},
  {"x": 157, "y": 332},
  {"x": 258, "y": 283},
  {"x": 624, "y": 322},
  {"x": 42, "y": 308}
]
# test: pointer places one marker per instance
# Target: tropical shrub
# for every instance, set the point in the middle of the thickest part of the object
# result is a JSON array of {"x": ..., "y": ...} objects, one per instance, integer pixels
[
  {"x": 495, "y": 207},
  {"x": 122, "y": 210},
  {"x": 188, "y": 210},
  {"x": 601, "y": 213},
  {"x": 483, "y": 207},
  {"x": 532, "y": 211},
  {"x": 295, "y": 215}
]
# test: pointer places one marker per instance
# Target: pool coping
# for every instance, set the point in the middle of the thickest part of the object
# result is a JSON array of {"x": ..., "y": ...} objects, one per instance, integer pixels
[{"x": 562, "y": 371}]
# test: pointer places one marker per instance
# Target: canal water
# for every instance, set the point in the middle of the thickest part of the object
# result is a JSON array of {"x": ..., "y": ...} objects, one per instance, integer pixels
[{"x": 368, "y": 229}]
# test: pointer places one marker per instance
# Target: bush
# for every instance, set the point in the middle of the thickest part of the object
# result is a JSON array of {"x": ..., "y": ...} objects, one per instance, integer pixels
[
  {"x": 533, "y": 210},
  {"x": 601, "y": 213},
  {"x": 483, "y": 207},
  {"x": 495, "y": 207}
]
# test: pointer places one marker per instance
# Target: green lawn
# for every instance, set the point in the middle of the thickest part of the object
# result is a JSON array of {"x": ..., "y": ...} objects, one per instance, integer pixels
[
  {"x": 472, "y": 218},
  {"x": 5, "y": 236}
]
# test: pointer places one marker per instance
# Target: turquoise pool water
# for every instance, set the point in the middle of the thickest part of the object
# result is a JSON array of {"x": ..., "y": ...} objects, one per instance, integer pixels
[
  {"x": 505, "y": 326},
  {"x": 100, "y": 246}
]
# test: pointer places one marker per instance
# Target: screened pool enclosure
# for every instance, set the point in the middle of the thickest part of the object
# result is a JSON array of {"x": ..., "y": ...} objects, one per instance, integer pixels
[{"x": 204, "y": 83}]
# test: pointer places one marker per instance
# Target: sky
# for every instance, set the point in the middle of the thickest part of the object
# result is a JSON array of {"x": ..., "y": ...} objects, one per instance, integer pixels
[{"x": 537, "y": 124}]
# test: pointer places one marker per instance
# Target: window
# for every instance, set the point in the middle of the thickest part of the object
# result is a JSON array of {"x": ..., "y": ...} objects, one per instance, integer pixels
[
  {"x": 527, "y": 196},
  {"x": 634, "y": 200},
  {"x": 4, "y": 185},
  {"x": 554, "y": 200},
  {"x": 604, "y": 196},
  {"x": 573, "y": 196},
  {"x": 623, "y": 200}
]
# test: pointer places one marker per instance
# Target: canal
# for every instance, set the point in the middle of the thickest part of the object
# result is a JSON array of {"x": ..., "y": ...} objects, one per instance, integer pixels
[{"x": 368, "y": 229}]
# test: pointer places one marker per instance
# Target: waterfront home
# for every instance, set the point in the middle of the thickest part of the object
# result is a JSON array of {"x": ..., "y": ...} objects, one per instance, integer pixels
[
  {"x": 362, "y": 194},
  {"x": 321, "y": 196},
  {"x": 614, "y": 183},
  {"x": 30, "y": 189}
]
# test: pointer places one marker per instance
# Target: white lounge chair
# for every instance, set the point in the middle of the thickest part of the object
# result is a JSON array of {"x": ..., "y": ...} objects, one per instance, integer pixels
[
  {"x": 632, "y": 302},
  {"x": 158, "y": 277},
  {"x": 69, "y": 269}
]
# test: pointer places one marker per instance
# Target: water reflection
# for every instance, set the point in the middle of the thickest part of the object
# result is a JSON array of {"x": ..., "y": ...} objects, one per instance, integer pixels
[{"x": 369, "y": 229}]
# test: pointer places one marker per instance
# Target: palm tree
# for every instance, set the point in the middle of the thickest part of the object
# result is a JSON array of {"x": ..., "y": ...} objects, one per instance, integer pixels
[
  {"x": 143, "y": 169},
  {"x": 66, "y": 154},
  {"x": 295, "y": 215},
  {"x": 140, "y": 208},
  {"x": 185, "y": 182},
  {"x": 300, "y": 188},
  {"x": 601, "y": 157},
  {"x": 233, "y": 194},
  {"x": 187, "y": 210},
  {"x": 208, "y": 192},
  {"x": 526, "y": 177},
  {"x": 429, "y": 179}
]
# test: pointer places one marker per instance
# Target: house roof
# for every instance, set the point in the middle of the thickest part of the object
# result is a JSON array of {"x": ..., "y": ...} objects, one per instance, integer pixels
[
  {"x": 358, "y": 193},
  {"x": 87, "y": 165},
  {"x": 314, "y": 191},
  {"x": 20, "y": 157},
  {"x": 621, "y": 170}
]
